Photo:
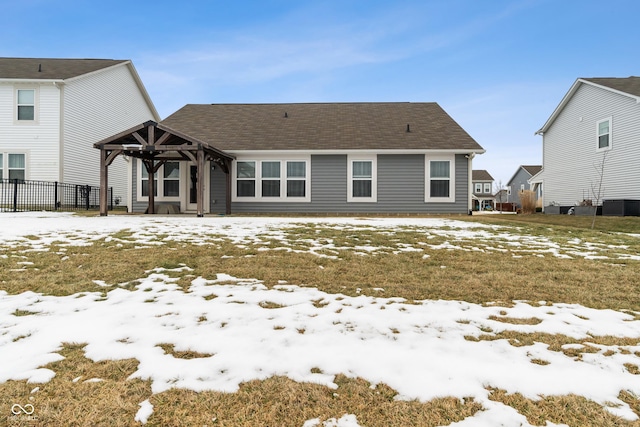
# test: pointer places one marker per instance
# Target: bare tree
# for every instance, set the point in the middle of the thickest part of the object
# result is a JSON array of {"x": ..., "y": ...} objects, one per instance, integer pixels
[{"x": 597, "y": 190}]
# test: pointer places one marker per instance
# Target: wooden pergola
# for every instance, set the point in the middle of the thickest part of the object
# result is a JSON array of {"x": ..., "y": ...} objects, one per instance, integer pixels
[{"x": 155, "y": 144}]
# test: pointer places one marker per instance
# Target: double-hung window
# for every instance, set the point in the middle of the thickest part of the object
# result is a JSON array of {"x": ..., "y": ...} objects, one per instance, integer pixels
[
  {"x": 246, "y": 179},
  {"x": 26, "y": 104},
  {"x": 16, "y": 166},
  {"x": 168, "y": 186},
  {"x": 487, "y": 188},
  {"x": 272, "y": 180},
  {"x": 296, "y": 179},
  {"x": 362, "y": 179},
  {"x": 440, "y": 179},
  {"x": 478, "y": 188},
  {"x": 604, "y": 134}
]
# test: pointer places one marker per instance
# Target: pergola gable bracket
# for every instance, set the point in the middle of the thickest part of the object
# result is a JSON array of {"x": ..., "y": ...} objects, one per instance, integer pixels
[
  {"x": 111, "y": 157},
  {"x": 140, "y": 139}
]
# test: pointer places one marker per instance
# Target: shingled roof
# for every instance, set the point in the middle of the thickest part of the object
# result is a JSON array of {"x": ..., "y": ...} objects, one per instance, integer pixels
[
  {"x": 630, "y": 85},
  {"x": 481, "y": 175},
  {"x": 323, "y": 126},
  {"x": 51, "y": 68}
]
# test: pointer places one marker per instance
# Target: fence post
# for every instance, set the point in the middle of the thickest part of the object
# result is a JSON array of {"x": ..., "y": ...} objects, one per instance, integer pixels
[
  {"x": 88, "y": 192},
  {"x": 15, "y": 195},
  {"x": 55, "y": 196},
  {"x": 111, "y": 198}
]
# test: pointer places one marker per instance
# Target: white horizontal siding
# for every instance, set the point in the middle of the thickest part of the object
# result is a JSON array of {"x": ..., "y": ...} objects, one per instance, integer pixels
[
  {"x": 571, "y": 161},
  {"x": 97, "y": 106},
  {"x": 39, "y": 140}
]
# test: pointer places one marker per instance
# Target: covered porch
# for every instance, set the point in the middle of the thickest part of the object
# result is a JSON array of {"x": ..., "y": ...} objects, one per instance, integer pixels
[{"x": 156, "y": 144}]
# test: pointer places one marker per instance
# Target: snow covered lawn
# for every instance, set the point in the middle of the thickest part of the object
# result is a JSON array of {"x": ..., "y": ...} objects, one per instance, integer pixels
[{"x": 245, "y": 330}]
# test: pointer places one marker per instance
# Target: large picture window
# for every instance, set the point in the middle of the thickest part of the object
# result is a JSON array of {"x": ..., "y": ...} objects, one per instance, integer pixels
[
  {"x": 272, "y": 180},
  {"x": 440, "y": 179}
]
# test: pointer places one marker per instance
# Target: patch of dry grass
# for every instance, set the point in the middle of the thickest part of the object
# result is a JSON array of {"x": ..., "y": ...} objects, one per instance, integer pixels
[
  {"x": 279, "y": 401},
  {"x": 570, "y": 410},
  {"x": 75, "y": 397},
  {"x": 476, "y": 276}
]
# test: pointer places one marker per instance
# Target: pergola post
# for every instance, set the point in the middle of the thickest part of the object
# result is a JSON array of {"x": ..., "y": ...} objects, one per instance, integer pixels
[
  {"x": 200, "y": 181},
  {"x": 148, "y": 164},
  {"x": 104, "y": 183}
]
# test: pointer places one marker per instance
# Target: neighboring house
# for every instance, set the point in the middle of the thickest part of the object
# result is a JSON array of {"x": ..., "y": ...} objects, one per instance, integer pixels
[
  {"x": 482, "y": 187},
  {"x": 303, "y": 158},
  {"x": 591, "y": 146},
  {"x": 52, "y": 111},
  {"x": 520, "y": 182}
]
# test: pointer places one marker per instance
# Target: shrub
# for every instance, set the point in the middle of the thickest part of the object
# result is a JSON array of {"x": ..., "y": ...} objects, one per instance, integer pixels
[{"x": 528, "y": 201}]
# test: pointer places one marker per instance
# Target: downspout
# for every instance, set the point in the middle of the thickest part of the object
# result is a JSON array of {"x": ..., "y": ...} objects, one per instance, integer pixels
[{"x": 470, "y": 157}]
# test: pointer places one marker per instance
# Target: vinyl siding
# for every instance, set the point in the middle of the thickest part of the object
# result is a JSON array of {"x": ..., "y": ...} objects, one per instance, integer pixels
[
  {"x": 97, "y": 106},
  {"x": 570, "y": 158},
  {"x": 39, "y": 140},
  {"x": 519, "y": 179},
  {"x": 401, "y": 189}
]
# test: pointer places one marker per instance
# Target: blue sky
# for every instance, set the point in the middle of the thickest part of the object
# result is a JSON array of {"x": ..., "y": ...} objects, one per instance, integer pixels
[{"x": 498, "y": 67}]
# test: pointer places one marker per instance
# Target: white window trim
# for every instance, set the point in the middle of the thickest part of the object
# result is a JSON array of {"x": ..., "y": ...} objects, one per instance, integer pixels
[
  {"x": 36, "y": 109},
  {"x": 608, "y": 147},
  {"x": 160, "y": 184},
  {"x": 373, "y": 158},
  {"x": 487, "y": 186},
  {"x": 283, "y": 159},
  {"x": 478, "y": 188},
  {"x": 4, "y": 165},
  {"x": 451, "y": 158}
]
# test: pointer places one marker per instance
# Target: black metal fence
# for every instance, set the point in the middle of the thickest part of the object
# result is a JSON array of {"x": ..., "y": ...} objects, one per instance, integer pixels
[{"x": 18, "y": 195}]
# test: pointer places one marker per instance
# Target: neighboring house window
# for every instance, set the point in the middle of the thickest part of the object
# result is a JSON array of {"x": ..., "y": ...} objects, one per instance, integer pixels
[
  {"x": 508, "y": 191},
  {"x": 16, "y": 167},
  {"x": 168, "y": 186},
  {"x": 478, "y": 189},
  {"x": 440, "y": 181},
  {"x": 362, "y": 176},
  {"x": 1, "y": 168},
  {"x": 487, "y": 188},
  {"x": 604, "y": 134},
  {"x": 26, "y": 104},
  {"x": 272, "y": 181}
]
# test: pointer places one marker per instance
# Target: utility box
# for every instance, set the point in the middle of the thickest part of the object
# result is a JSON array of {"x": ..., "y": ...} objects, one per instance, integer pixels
[{"x": 621, "y": 207}]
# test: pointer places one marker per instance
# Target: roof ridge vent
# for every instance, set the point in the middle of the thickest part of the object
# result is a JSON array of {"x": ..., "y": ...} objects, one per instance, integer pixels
[
  {"x": 408, "y": 128},
  {"x": 285, "y": 115},
  {"x": 39, "y": 68}
]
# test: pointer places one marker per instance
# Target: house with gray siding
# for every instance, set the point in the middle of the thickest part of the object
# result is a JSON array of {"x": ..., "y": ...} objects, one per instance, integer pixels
[
  {"x": 306, "y": 158},
  {"x": 591, "y": 145},
  {"x": 482, "y": 187},
  {"x": 519, "y": 182},
  {"x": 52, "y": 111}
]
